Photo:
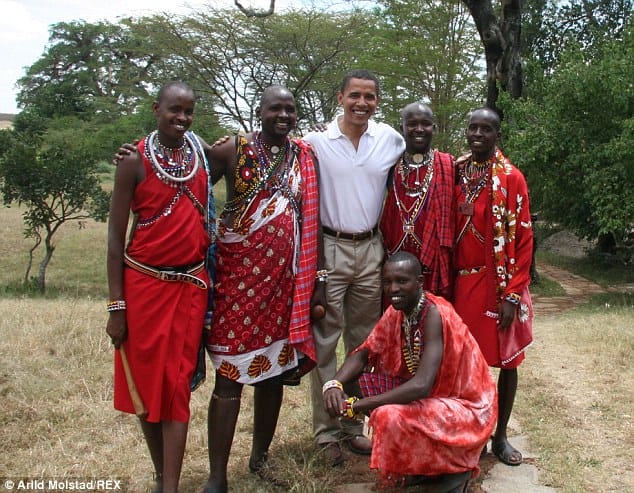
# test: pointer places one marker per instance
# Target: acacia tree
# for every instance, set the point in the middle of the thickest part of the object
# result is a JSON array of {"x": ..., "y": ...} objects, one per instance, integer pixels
[
  {"x": 51, "y": 175},
  {"x": 230, "y": 59},
  {"x": 77, "y": 93},
  {"x": 433, "y": 57},
  {"x": 500, "y": 35},
  {"x": 88, "y": 68}
]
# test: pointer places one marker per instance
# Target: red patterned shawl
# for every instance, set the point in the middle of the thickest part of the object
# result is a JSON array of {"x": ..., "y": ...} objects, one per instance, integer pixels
[
  {"x": 300, "y": 329},
  {"x": 434, "y": 227},
  {"x": 509, "y": 233}
]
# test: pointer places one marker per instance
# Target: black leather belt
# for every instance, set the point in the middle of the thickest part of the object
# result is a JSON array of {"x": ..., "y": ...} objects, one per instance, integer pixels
[{"x": 351, "y": 236}]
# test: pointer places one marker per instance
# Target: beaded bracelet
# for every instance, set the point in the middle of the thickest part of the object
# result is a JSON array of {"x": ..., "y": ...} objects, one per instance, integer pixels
[
  {"x": 331, "y": 384},
  {"x": 322, "y": 275},
  {"x": 348, "y": 409},
  {"x": 513, "y": 298},
  {"x": 115, "y": 306}
]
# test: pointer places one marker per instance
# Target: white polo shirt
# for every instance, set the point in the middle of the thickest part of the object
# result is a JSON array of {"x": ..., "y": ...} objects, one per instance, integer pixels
[{"x": 352, "y": 181}]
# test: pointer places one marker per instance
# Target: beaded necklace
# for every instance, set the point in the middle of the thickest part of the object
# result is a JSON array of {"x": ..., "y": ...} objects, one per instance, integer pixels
[
  {"x": 420, "y": 191},
  {"x": 280, "y": 182},
  {"x": 473, "y": 178},
  {"x": 172, "y": 166},
  {"x": 262, "y": 173},
  {"x": 267, "y": 166},
  {"x": 416, "y": 162},
  {"x": 412, "y": 341},
  {"x": 273, "y": 149}
]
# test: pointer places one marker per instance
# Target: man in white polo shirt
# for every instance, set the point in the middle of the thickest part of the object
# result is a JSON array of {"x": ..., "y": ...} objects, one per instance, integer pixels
[{"x": 355, "y": 156}]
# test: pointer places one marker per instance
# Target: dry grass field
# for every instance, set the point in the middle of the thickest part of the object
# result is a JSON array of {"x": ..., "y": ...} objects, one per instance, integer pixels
[
  {"x": 575, "y": 401},
  {"x": 57, "y": 418}
]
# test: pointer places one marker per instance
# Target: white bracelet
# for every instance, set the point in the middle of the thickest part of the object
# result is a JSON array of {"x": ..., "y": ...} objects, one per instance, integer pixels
[
  {"x": 331, "y": 384},
  {"x": 321, "y": 275}
]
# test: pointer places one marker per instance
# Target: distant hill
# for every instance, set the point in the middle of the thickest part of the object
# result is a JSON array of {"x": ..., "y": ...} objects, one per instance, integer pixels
[{"x": 5, "y": 120}]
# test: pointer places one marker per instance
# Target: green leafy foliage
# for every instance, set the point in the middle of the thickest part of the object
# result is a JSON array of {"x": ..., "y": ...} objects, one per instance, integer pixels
[
  {"x": 229, "y": 58},
  {"x": 574, "y": 141},
  {"x": 87, "y": 69},
  {"x": 52, "y": 175},
  {"x": 550, "y": 27},
  {"x": 428, "y": 52}
]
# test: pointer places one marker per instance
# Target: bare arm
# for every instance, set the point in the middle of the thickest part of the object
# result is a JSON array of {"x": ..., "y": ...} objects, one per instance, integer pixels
[
  {"x": 349, "y": 371},
  {"x": 420, "y": 385},
  {"x": 220, "y": 154},
  {"x": 129, "y": 172}
]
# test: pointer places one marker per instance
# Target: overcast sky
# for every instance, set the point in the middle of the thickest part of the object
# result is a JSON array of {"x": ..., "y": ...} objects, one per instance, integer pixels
[{"x": 24, "y": 27}]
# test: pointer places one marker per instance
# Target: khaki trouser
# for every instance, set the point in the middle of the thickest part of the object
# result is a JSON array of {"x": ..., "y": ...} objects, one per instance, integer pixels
[{"x": 354, "y": 306}]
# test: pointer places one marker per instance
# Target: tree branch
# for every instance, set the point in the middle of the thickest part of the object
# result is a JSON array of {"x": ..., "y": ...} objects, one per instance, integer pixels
[{"x": 250, "y": 12}]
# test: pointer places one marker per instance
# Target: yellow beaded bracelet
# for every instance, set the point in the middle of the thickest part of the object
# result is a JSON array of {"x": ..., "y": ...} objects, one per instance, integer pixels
[
  {"x": 116, "y": 305},
  {"x": 513, "y": 298},
  {"x": 348, "y": 409}
]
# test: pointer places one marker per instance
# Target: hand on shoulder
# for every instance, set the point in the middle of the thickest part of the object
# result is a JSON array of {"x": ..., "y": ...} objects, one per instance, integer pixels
[{"x": 124, "y": 151}]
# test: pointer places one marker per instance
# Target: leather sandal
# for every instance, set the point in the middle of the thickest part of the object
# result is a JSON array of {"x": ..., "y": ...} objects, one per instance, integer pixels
[
  {"x": 507, "y": 454},
  {"x": 360, "y": 444},
  {"x": 332, "y": 452}
]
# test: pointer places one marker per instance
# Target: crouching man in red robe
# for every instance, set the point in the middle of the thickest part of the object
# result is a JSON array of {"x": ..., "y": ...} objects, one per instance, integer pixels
[{"x": 426, "y": 386}]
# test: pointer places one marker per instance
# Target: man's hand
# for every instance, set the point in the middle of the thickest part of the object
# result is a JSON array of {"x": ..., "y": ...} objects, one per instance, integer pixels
[
  {"x": 333, "y": 402},
  {"x": 123, "y": 151},
  {"x": 116, "y": 327},
  {"x": 320, "y": 127},
  {"x": 318, "y": 303},
  {"x": 506, "y": 314}
]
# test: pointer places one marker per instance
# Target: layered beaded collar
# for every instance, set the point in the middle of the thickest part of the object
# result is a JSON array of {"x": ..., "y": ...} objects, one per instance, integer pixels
[
  {"x": 172, "y": 166},
  {"x": 412, "y": 340}
]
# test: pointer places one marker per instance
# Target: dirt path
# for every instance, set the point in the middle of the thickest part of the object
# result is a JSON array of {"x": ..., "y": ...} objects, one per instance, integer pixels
[{"x": 578, "y": 290}]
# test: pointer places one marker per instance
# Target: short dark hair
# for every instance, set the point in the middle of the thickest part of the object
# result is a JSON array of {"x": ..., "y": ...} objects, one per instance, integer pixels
[
  {"x": 359, "y": 74},
  {"x": 403, "y": 256},
  {"x": 273, "y": 89},
  {"x": 174, "y": 83},
  {"x": 495, "y": 117},
  {"x": 416, "y": 106}
]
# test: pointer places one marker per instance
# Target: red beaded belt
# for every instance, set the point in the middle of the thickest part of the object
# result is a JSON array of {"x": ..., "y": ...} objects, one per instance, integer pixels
[
  {"x": 184, "y": 274},
  {"x": 351, "y": 236}
]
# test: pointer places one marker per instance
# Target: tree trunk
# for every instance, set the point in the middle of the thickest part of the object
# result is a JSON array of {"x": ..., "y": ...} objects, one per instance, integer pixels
[
  {"x": 250, "y": 12},
  {"x": 501, "y": 41},
  {"x": 41, "y": 278},
  {"x": 27, "y": 273}
]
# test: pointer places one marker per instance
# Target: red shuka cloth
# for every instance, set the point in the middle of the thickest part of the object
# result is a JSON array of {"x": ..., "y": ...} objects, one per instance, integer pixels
[
  {"x": 164, "y": 318},
  {"x": 434, "y": 227},
  {"x": 446, "y": 431},
  {"x": 496, "y": 260}
]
